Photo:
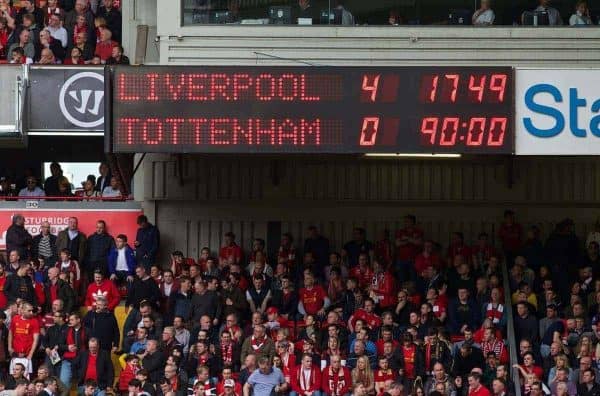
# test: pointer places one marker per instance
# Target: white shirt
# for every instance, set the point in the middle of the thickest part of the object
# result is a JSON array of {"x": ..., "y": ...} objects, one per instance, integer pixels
[
  {"x": 579, "y": 20},
  {"x": 167, "y": 289},
  {"x": 59, "y": 33},
  {"x": 73, "y": 234},
  {"x": 121, "y": 260},
  {"x": 487, "y": 17},
  {"x": 37, "y": 192},
  {"x": 108, "y": 192}
]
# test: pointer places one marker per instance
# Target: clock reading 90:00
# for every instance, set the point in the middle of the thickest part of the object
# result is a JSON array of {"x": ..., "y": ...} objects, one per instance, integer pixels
[{"x": 443, "y": 90}]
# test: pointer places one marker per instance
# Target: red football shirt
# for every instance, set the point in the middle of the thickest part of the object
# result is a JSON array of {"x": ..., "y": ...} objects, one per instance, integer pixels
[
  {"x": 23, "y": 331},
  {"x": 312, "y": 299},
  {"x": 231, "y": 251},
  {"x": 408, "y": 251},
  {"x": 90, "y": 371}
]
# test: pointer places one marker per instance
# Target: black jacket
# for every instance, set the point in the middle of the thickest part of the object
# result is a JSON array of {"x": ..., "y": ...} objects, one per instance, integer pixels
[
  {"x": 19, "y": 239},
  {"x": 143, "y": 290},
  {"x": 155, "y": 364},
  {"x": 65, "y": 293},
  {"x": 104, "y": 368},
  {"x": 206, "y": 304},
  {"x": 103, "y": 326},
  {"x": 20, "y": 287},
  {"x": 55, "y": 336},
  {"x": 582, "y": 390},
  {"x": 36, "y": 245}
]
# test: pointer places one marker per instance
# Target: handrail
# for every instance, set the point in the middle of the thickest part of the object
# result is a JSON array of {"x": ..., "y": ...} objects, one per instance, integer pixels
[
  {"x": 72, "y": 198},
  {"x": 510, "y": 332}
]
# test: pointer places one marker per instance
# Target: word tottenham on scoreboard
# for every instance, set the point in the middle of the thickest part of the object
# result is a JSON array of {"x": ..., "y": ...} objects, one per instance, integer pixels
[{"x": 312, "y": 109}]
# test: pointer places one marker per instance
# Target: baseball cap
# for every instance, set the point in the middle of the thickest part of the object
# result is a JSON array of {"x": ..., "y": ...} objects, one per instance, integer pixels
[
  {"x": 272, "y": 310},
  {"x": 229, "y": 383}
]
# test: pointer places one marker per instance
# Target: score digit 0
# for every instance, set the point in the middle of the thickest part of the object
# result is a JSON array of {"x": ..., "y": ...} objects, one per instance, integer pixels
[{"x": 368, "y": 132}]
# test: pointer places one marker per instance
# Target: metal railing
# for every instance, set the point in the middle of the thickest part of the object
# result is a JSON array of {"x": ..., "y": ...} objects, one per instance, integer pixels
[{"x": 510, "y": 332}]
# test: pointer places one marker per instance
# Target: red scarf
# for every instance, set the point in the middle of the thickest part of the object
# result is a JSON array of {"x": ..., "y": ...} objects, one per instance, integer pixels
[
  {"x": 227, "y": 353},
  {"x": 337, "y": 382},
  {"x": 202, "y": 359},
  {"x": 304, "y": 385},
  {"x": 257, "y": 344}
]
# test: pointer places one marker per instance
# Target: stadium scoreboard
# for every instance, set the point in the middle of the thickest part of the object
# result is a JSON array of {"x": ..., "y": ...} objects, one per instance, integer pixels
[{"x": 253, "y": 109}]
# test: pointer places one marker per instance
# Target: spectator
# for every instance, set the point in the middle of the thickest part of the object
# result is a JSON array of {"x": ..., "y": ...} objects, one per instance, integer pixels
[
  {"x": 102, "y": 324},
  {"x": 258, "y": 344},
  {"x": 24, "y": 335},
  {"x": 121, "y": 261},
  {"x": 103, "y": 180},
  {"x": 117, "y": 57},
  {"x": 26, "y": 44},
  {"x": 475, "y": 386},
  {"x": 113, "y": 191},
  {"x": 51, "y": 183},
  {"x": 17, "y": 56},
  {"x": 104, "y": 48},
  {"x": 307, "y": 11},
  {"x": 29, "y": 7},
  {"x": 50, "y": 50},
  {"x": 56, "y": 30},
  {"x": 146, "y": 242},
  {"x": 265, "y": 380},
  {"x": 553, "y": 14},
  {"x": 484, "y": 16},
  {"x": 98, "y": 248},
  {"x": 56, "y": 288},
  {"x": 581, "y": 17},
  {"x": 52, "y": 9},
  {"x": 44, "y": 245},
  {"x": 589, "y": 386},
  {"x": 143, "y": 288},
  {"x": 71, "y": 239},
  {"x": 94, "y": 364},
  {"x": 18, "y": 238},
  {"x": 19, "y": 286},
  {"x": 347, "y": 19},
  {"x": 81, "y": 9},
  {"x": 76, "y": 58},
  {"x": 102, "y": 288},
  {"x": 112, "y": 16},
  {"x": 32, "y": 189}
]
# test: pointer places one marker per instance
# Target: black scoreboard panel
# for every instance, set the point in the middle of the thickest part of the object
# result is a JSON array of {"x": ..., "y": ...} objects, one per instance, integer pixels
[{"x": 251, "y": 109}]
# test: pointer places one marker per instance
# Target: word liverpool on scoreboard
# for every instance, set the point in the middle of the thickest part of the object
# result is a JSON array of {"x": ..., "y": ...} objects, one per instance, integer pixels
[{"x": 312, "y": 109}]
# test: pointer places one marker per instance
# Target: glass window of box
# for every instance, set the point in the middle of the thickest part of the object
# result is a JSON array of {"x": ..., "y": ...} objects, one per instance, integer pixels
[{"x": 376, "y": 12}]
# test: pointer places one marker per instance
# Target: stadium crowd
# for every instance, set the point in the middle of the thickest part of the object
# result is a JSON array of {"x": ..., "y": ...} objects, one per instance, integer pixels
[
  {"x": 107, "y": 186},
  {"x": 396, "y": 316},
  {"x": 70, "y": 32}
]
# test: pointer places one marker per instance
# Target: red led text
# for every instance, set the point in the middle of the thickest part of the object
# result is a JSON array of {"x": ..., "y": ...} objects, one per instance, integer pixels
[
  {"x": 215, "y": 87},
  {"x": 219, "y": 131}
]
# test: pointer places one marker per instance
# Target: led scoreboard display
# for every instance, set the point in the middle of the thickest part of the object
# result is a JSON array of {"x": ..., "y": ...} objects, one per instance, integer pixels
[{"x": 312, "y": 109}]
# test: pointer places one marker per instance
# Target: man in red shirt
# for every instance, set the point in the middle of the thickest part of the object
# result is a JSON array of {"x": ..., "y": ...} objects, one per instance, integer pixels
[
  {"x": 336, "y": 380},
  {"x": 104, "y": 48},
  {"x": 24, "y": 333},
  {"x": 94, "y": 364},
  {"x": 362, "y": 272},
  {"x": 306, "y": 378},
  {"x": 313, "y": 299},
  {"x": 382, "y": 288},
  {"x": 475, "y": 387},
  {"x": 427, "y": 258},
  {"x": 230, "y": 253},
  {"x": 102, "y": 288},
  {"x": 366, "y": 314}
]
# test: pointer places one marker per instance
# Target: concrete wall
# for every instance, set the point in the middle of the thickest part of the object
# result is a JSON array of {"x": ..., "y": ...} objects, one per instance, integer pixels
[{"x": 219, "y": 194}]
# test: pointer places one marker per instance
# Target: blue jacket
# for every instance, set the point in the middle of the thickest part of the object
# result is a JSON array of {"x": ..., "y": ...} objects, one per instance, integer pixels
[{"x": 129, "y": 256}]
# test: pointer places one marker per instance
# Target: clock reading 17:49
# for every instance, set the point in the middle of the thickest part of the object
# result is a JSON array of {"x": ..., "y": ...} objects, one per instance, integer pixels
[
  {"x": 439, "y": 93},
  {"x": 311, "y": 109}
]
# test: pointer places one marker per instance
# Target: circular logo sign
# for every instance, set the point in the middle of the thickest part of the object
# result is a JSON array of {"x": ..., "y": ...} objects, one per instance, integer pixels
[{"x": 81, "y": 99}]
